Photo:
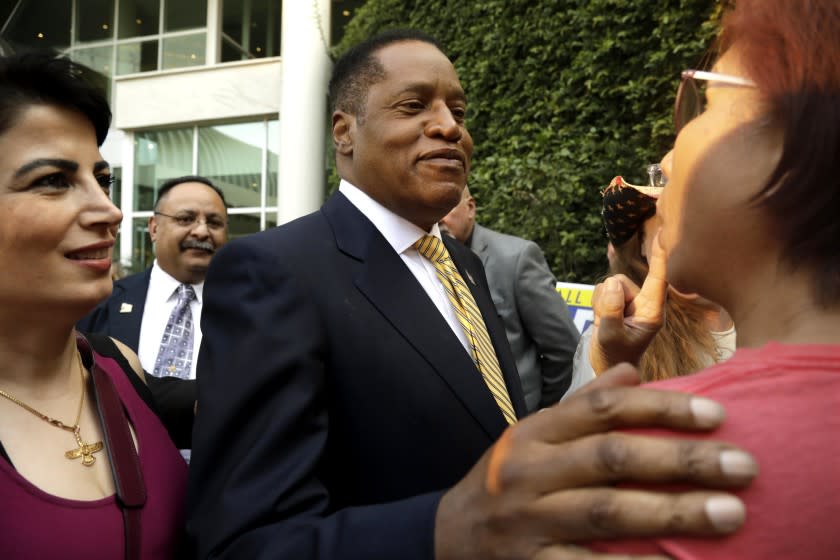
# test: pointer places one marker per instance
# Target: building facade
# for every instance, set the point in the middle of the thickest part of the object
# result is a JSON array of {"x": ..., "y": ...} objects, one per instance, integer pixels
[{"x": 234, "y": 90}]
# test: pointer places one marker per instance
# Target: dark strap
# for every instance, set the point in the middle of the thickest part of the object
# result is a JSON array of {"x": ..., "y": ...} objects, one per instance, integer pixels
[{"x": 125, "y": 464}]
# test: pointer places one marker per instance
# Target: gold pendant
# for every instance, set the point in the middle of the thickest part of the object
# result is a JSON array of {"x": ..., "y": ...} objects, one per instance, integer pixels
[{"x": 85, "y": 451}]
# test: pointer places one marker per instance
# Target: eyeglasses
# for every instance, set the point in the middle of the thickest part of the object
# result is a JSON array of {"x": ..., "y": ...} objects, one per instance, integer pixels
[
  {"x": 691, "y": 97},
  {"x": 190, "y": 220},
  {"x": 656, "y": 178}
]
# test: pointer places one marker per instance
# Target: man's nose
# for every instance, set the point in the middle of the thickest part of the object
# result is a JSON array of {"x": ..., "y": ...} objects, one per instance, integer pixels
[
  {"x": 199, "y": 228},
  {"x": 443, "y": 123}
]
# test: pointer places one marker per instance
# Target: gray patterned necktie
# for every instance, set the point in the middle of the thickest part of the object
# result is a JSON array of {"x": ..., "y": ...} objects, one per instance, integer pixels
[{"x": 176, "y": 347}]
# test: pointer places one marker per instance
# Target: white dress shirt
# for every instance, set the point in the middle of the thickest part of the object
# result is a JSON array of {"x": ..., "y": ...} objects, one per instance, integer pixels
[
  {"x": 160, "y": 301},
  {"x": 401, "y": 235}
]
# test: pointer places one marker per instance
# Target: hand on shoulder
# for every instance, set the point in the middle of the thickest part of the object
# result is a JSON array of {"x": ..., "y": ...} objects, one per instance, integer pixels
[{"x": 550, "y": 480}]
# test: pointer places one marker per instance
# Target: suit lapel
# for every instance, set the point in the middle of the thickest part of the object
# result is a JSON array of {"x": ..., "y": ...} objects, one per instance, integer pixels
[
  {"x": 391, "y": 288},
  {"x": 126, "y": 308}
]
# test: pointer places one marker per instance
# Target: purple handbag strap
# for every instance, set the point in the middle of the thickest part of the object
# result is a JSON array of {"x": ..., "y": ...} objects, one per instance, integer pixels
[{"x": 125, "y": 464}]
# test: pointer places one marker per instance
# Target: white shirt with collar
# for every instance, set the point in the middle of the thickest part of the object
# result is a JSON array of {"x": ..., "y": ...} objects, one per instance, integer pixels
[
  {"x": 401, "y": 235},
  {"x": 160, "y": 301}
]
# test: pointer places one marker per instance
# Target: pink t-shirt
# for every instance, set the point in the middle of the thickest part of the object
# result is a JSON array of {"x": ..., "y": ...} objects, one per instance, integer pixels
[
  {"x": 35, "y": 524},
  {"x": 783, "y": 406}
]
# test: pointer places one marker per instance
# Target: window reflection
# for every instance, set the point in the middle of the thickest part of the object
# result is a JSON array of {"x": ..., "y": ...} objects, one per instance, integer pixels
[
  {"x": 137, "y": 57},
  {"x": 186, "y": 14},
  {"x": 139, "y": 18},
  {"x": 250, "y": 29},
  {"x": 100, "y": 59},
  {"x": 158, "y": 156},
  {"x": 94, "y": 20},
  {"x": 31, "y": 28},
  {"x": 231, "y": 156},
  {"x": 183, "y": 50},
  {"x": 273, "y": 142},
  {"x": 242, "y": 224},
  {"x": 143, "y": 253}
]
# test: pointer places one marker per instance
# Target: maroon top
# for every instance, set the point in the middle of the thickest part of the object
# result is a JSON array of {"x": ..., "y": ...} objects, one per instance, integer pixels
[{"x": 39, "y": 525}]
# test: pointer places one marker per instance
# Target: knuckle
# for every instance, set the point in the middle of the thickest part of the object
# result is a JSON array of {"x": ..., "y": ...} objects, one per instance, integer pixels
[
  {"x": 511, "y": 467},
  {"x": 690, "y": 459},
  {"x": 676, "y": 521},
  {"x": 603, "y": 402},
  {"x": 613, "y": 454},
  {"x": 510, "y": 474},
  {"x": 664, "y": 407},
  {"x": 603, "y": 515}
]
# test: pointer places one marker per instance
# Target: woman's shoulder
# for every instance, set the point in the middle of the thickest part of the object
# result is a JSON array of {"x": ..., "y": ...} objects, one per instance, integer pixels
[
  {"x": 126, "y": 359},
  {"x": 770, "y": 369}
]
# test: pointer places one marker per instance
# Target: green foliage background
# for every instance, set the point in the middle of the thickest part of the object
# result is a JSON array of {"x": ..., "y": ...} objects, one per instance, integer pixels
[{"x": 563, "y": 95}]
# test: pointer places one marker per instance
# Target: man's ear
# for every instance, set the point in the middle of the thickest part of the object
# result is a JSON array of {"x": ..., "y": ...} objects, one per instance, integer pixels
[
  {"x": 343, "y": 126},
  {"x": 153, "y": 228}
]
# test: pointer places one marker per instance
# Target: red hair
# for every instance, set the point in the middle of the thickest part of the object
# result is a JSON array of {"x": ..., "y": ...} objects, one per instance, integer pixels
[{"x": 791, "y": 50}]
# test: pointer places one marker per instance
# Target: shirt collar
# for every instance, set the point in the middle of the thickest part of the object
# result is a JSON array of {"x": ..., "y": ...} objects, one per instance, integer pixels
[
  {"x": 162, "y": 285},
  {"x": 397, "y": 231}
]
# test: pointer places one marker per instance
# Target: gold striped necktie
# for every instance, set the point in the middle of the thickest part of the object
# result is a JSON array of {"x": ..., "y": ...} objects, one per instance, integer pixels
[{"x": 471, "y": 321}]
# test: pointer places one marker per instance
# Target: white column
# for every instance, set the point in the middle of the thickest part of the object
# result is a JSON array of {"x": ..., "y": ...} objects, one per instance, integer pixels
[
  {"x": 305, "y": 38},
  {"x": 126, "y": 201},
  {"x": 213, "y": 42}
]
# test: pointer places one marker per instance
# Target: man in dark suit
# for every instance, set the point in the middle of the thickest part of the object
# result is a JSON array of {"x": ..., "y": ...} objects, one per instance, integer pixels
[
  {"x": 342, "y": 412},
  {"x": 538, "y": 325},
  {"x": 188, "y": 226}
]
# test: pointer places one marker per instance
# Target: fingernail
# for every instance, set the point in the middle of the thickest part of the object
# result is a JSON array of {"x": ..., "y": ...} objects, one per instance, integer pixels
[
  {"x": 737, "y": 464},
  {"x": 706, "y": 413},
  {"x": 612, "y": 284},
  {"x": 726, "y": 513}
]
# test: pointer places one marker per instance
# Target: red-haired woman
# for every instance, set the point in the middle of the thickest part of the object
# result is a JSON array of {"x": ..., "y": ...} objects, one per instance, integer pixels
[{"x": 751, "y": 219}]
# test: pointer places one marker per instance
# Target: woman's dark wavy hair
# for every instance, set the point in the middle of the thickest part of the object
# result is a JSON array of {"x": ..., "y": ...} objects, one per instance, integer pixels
[
  {"x": 791, "y": 50},
  {"x": 38, "y": 78}
]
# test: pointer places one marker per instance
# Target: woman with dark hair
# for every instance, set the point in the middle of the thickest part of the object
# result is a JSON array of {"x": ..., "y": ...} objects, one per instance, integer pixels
[
  {"x": 750, "y": 220},
  {"x": 86, "y": 468}
]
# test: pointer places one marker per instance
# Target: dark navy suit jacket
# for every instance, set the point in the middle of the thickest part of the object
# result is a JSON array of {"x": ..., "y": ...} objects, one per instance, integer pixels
[
  {"x": 336, "y": 405},
  {"x": 120, "y": 317}
]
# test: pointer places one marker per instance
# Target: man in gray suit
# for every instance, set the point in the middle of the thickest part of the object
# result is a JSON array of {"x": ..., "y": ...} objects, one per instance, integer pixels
[{"x": 537, "y": 322}]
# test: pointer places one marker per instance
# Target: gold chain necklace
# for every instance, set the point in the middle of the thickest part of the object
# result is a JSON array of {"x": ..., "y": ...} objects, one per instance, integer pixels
[{"x": 84, "y": 450}]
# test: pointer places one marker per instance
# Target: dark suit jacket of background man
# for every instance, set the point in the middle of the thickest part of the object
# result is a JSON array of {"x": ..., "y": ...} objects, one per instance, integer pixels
[
  {"x": 120, "y": 317},
  {"x": 540, "y": 329},
  {"x": 335, "y": 402}
]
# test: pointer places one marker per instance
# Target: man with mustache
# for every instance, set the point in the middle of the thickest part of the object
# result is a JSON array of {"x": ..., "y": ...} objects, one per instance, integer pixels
[{"x": 159, "y": 309}]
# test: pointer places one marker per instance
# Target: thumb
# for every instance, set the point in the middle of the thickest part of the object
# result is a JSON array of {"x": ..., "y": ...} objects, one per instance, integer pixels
[
  {"x": 609, "y": 321},
  {"x": 649, "y": 303},
  {"x": 610, "y": 306}
]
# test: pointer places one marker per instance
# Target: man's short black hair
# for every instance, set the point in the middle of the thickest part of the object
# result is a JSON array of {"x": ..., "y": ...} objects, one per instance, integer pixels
[
  {"x": 357, "y": 69},
  {"x": 39, "y": 78},
  {"x": 172, "y": 183}
]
